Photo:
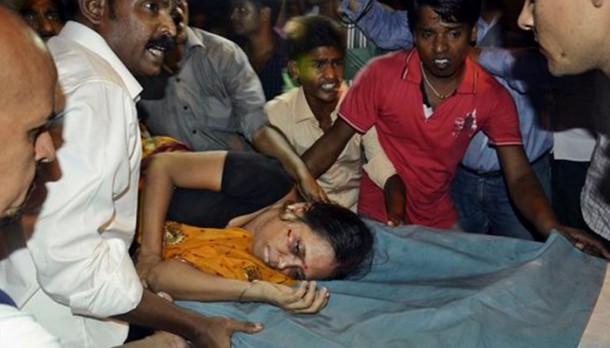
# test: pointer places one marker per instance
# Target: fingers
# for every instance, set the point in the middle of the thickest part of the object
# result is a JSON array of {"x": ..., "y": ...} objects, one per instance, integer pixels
[
  {"x": 394, "y": 221},
  {"x": 244, "y": 326},
  {"x": 308, "y": 299},
  {"x": 319, "y": 301},
  {"x": 164, "y": 295},
  {"x": 311, "y": 190},
  {"x": 591, "y": 246},
  {"x": 586, "y": 243}
]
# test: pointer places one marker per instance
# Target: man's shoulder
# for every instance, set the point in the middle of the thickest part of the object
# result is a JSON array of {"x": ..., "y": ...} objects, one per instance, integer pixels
[
  {"x": 214, "y": 52},
  {"x": 210, "y": 41},
  {"x": 276, "y": 106},
  {"x": 484, "y": 79},
  {"x": 77, "y": 65},
  {"x": 390, "y": 61}
]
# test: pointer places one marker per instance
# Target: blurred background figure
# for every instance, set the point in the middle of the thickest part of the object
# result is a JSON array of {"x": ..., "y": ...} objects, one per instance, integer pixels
[{"x": 44, "y": 16}]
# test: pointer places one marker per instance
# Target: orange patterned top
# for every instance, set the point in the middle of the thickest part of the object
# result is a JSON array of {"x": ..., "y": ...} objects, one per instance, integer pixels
[{"x": 225, "y": 252}]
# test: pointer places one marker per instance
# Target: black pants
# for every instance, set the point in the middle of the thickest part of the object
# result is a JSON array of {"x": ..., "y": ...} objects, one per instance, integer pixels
[
  {"x": 567, "y": 180},
  {"x": 250, "y": 181}
]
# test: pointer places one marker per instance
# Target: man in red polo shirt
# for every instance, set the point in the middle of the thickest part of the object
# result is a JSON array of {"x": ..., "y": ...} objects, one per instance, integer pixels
[{"x": 426, "y": 104}]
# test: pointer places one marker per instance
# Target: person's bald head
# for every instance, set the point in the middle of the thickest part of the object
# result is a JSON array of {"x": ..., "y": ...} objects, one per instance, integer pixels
[
  {"x": 12, "y": 4},
  {"x": 28, "y": 81}
]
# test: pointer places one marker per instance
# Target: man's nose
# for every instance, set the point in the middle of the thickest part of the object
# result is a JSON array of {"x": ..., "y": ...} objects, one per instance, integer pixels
[
  {"x": 440, "y": 44},
  {"x": 46, "y": 28},
  {"x": 526, "y": 17},
  {"x": 330, "y": 71},
  {"x": 168, "y": 26},
  {"x": 44, "y": 151}
]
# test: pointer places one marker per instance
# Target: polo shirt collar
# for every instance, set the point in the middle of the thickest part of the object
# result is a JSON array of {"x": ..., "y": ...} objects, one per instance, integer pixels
[
  {"x": 412, "y": 73},
  {"x": 91, "y": 40}
]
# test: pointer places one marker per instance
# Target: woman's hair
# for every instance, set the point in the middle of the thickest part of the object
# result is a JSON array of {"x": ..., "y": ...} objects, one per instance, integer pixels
[
  {"x": 450, "y": 11},
  {"x": 306, "y": 33},
  {"x": 351, "y": 240}
]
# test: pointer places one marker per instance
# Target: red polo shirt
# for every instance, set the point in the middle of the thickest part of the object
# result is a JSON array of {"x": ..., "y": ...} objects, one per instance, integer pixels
[{"x": 425, "y": 151}]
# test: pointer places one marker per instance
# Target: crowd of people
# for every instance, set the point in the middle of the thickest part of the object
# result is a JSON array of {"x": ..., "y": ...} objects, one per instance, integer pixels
[{"x": 245, "y": 160}]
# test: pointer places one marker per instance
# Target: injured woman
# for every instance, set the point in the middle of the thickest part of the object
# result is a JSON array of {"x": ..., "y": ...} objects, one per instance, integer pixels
[
  {"x": 424, "y": 287},
  {"x": 254, "y": 257}
]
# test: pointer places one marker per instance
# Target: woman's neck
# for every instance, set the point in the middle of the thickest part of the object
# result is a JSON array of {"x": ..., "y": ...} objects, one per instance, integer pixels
[{"x": 253, "y": 220}]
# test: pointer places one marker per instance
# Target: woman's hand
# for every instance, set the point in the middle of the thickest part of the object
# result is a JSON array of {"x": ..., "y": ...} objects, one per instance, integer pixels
[{"x": 304, "y": 298}]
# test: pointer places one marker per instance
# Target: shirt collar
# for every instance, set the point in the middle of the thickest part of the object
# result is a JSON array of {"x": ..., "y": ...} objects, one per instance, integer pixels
[
  {"x": 412, "y": 73},
  {"x": 303, "y": 111},
  {"x": 91, "y": 40},
  {"x": 192, "y": 39},
  {"x": 301, "y": 108}
]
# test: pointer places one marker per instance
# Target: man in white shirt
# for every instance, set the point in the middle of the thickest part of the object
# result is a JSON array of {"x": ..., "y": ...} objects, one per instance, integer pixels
[
  {"x": 80, "y": 271},
  {"x": 27, "y": 82}
]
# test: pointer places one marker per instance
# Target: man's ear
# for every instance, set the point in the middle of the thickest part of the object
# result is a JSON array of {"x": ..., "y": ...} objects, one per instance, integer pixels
[
  {"x": 92, "y": 10},
  {"x": 293, "y": 69},
  {"x": 473, "y": 34}
]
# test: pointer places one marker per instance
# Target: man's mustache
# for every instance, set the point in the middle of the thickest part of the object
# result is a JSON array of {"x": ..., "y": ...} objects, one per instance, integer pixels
[{"x": 164, "y": 43}]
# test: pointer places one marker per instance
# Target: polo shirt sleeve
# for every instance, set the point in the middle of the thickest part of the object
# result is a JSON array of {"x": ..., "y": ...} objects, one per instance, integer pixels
[
  {"x": 79, "y": 244},
  {"x": 502, "y": 125},
  {"x": 359, "y": 108},
  {"x": 245, "y": 90}
]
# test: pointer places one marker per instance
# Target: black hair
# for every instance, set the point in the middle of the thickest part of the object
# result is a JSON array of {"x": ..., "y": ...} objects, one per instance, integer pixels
[
  {"x": 450, "y": 11},
  {"x": 306, "y": 33},
  {"x": 350, "y": 238},
  {"x": 69, "y": 9}
]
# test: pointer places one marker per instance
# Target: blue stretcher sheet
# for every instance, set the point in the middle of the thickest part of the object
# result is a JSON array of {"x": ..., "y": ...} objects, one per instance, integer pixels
[{"x": 430, "y": 288}]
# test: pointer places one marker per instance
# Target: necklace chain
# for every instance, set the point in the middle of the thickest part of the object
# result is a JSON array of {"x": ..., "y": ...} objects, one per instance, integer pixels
[{"x": 439, "y": 95}]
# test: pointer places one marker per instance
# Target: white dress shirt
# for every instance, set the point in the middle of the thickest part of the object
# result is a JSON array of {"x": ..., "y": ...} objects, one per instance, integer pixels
[
  {"x": 80, "y": 242},
  {"x": 341, "y": 182},
  {"x": 19, "y": 330}
]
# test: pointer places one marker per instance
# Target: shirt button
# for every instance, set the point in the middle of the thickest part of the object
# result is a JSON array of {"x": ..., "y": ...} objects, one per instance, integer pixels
[
  {"x": 177, "y": 79},
  {"x": 186, "y": 107},
  {"x": 194, "y": 131}
]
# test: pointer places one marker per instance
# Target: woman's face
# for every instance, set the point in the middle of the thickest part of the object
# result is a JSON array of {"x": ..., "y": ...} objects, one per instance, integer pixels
[{"x": 292, "y": 248}]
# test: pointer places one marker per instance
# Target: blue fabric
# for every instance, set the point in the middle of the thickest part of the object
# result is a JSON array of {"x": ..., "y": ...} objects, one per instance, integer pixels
[
  {"x": 430, "y": 288},
  {"x": 482, "y": 157},
  {"x": 6, "y": 299},
  {"x": 485, "y": 206}
]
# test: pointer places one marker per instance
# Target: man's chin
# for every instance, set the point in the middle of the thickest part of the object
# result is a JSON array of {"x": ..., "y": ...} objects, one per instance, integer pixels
[
  {"x": 11, "y": 215},
  {"x": 148, "y": 71}
]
